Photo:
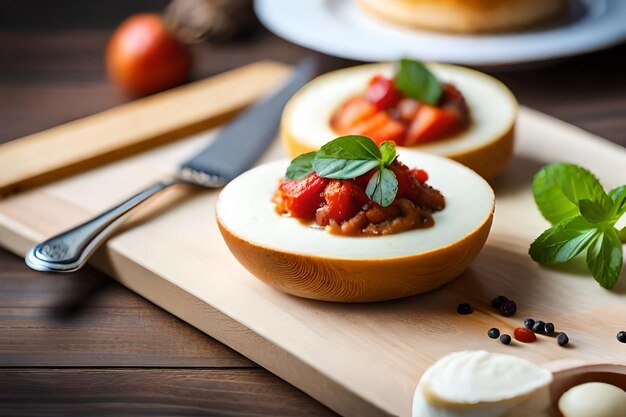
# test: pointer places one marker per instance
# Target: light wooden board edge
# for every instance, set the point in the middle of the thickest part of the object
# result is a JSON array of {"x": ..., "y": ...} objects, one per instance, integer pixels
[
  {"x": 133, "y": 127},
  {"x": 228, "y": 329}
]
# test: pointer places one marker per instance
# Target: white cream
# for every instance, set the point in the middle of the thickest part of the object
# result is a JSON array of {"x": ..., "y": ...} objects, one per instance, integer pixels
[
  {"x": 245, "y": 207},
  {"x": 482, "y": 384},
  {"x": 493, "y": 108},
  {"x": 594, "y": 399}
]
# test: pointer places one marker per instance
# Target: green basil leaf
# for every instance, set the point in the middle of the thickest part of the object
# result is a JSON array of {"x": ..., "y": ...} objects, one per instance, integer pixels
[
  {"x": 416, "y": 81},
  {"x": 604, "y": 258},
  {"x": 301, "y": 167},
  {"x": 594, "y": 212},
  {"x": 343, "y": 169},
  {"x": 559, "y": 187},
  {"x": 562, "y": 242},
  {"x": 618, "y": 196},
  {"x": 388, "y": 152},
  {"x": 350, "y": 147},
  {"x": 382, "y": 187}
]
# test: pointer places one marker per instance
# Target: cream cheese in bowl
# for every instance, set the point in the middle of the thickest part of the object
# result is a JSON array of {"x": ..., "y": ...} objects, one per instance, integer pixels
[{"x": 482, "y": 384}]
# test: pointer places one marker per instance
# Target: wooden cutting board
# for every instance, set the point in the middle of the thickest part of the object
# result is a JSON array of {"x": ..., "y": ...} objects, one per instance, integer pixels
[{"x": 363, "y": 359}]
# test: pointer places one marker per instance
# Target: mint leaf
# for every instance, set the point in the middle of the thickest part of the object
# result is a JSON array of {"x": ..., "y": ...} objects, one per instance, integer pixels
[
  {"x": 347, "y": 157},
  {"x": 382, "y": 187},
  {"x": 557, "y": 189},
  {"x": 562, "y": 242},
  {"x": 343, "y": 169},
  {"x": 416, "y": 81},
  {"x": 618, "y": 196},
  {"x": 604, "y": 257},
  {"x": 388, "y": 153},
  {"x": 594, "y": 212},
  {"x": 351, "y": 147},
  {"x": 301, "y": 167}
]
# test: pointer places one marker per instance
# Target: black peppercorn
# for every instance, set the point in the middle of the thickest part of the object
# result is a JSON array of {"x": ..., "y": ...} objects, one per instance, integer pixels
[
  {"x": 621, "y": 336},
  {"x": 539, "y": 327},
  {"x": 548, "y": 328},
  {"x": 493, "y": 333},
  {"x": 529, "y": 323},
  {"x": 497, "y": 301},
  {"x": 562, "y": 339},
  {"x": 464, "y": 308},
  {"x": 505, "y": 339},
  {"x": 508, "y": 308}
]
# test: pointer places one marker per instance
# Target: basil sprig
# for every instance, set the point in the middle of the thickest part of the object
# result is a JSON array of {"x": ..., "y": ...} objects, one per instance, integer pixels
[
  {"x": 348, "y": 157},
  {"x": 583, "y": 216},
  {"x": 414, "y": 80}
]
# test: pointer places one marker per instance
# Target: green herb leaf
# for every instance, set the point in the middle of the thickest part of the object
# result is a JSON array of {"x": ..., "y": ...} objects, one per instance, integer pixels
[
  {"x": 351, "y": 147},
  {"x": 618, "y": 196},
  {"x": 604, "y": 257},
  {"x": 594, "y": 212},
  {"x": 559, "y": 187},
  {"x": 416, "y": 81},
  {"x": 301, "y": 167},
  {"x": 388, "y": 153},
  {"x": 382, "y": 187},
  {"x": 347, "y": 157},
  {"x": 343, "y": 169},
  {"x": 562, "y": 242}
]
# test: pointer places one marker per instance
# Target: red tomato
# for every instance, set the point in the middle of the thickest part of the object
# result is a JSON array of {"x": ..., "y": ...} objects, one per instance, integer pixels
[
  {"x": 339, "y": 196},
  {"x": 382, "y": 93},
  {"x": 430, "y": 123},
  {"x": 353, "y": 112},
  {"x": 304, "y": 197},
  {"x": 420, "y": 175},
  {"x": 143, "y": 58}
]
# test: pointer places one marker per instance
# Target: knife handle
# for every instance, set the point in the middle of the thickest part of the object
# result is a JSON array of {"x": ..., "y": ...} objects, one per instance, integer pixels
[{"x": 70, "y": 250}]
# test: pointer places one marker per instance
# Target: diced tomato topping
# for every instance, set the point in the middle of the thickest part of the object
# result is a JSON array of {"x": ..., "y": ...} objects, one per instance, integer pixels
[
  {"x": 420, "y": 175},
  {"x": 303, "y": 198},
  {"x": 430, "y": 123},
  {"x": 380, "y": 127},
  {"x": 353, "y": 112},
  {"x": 382, "y": 93},
  {"x": 340, "y": 202}
]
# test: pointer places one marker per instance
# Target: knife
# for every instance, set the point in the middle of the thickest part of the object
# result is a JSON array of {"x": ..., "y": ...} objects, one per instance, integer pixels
[{"x": 235, "y": 149}]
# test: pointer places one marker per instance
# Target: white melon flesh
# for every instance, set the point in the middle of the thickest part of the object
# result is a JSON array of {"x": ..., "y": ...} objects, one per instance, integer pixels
[
  {"x": 312, "y": 263},
  {"x": 487, "y": 141},
  {"x": 245, "y": 207}
]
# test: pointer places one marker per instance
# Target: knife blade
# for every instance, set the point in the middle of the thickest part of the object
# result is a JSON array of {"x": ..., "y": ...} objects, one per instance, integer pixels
[{"x": 235, "y": 149}]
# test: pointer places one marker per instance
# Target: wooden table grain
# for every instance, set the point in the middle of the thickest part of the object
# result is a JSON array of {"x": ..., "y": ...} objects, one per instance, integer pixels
[{"x": 81, "y": 344}]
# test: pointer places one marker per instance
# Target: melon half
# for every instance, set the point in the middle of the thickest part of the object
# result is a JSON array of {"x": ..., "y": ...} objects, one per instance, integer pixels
[
  {"x": 309, "y": 262},
  {"x": 486, "y": 146}
]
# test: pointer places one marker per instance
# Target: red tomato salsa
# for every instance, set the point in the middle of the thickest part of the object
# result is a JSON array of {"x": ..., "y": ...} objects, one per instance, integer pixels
[
  {"x": 384, "y": 113},
  {"x": 343, "y": 207}
]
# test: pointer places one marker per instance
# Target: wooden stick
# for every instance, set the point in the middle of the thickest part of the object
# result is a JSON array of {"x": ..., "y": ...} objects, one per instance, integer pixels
[{"x": 134, "y": 127}]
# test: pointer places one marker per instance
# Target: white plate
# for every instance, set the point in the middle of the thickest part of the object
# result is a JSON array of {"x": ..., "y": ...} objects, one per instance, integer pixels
[{"x": 340, "y": 28}]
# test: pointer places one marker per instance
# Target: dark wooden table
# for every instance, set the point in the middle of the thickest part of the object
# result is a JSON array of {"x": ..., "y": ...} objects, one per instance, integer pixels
[{"x": 82, "y": 344}]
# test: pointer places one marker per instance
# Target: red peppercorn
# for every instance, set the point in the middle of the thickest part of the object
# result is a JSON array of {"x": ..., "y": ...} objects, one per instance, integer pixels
[{"x": 524, "y": 335}]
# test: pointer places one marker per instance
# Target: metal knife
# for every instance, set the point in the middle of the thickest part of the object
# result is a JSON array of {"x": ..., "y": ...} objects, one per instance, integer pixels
[{"x": 235, "y": 149}]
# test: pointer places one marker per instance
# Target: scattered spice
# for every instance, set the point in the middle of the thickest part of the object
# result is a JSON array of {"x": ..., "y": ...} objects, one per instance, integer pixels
[
  {"x": 505, "y": 339},
  {"x": 529, "y": 323},
  {"x": 464, "y": 308},
  {"x": 493, "y": 333},
  {"x": 548, "y": 328},
  {"x": 508, "y": 308},
  {"x": 621, "y": 337},
  {"x": 562, "y": 339},
  {"x": 524, "y": 335},
  {"x": 497, "y": 301},
  {"x": 539, "y": 327}
]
